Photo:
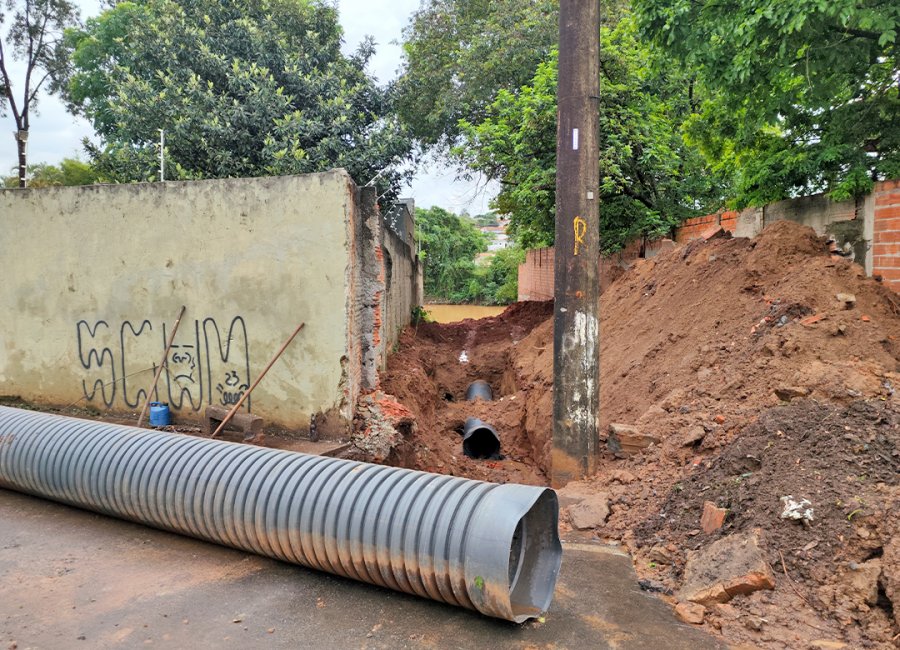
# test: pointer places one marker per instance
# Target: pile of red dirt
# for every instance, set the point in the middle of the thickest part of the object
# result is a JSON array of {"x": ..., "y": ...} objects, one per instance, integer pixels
[{"x": 762, "y": 367}]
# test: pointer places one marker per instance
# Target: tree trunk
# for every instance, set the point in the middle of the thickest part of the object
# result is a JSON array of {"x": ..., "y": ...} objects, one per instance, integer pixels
[{"x": 21, "y": 142}]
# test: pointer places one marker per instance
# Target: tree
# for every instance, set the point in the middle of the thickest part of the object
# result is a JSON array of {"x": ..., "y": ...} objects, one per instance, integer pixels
[
  {"x": 70, "y": 172},
  {"x": 33, "y": 37},
  {"x": 449, "y": 246},
  {"x": 497, "y": 283},
  {"x": 802, "y": 96},
  {"x": 458, "y": 53},
  {"x": 241, "y": 88},
  {"x": 650, "y": 179}
]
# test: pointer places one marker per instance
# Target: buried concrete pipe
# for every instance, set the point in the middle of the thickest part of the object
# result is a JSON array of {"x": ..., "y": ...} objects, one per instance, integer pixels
[
  {"x": 488, "y": 547},
  {"x": 480, "y": 439},
  {"x": 479, "y": 389}
]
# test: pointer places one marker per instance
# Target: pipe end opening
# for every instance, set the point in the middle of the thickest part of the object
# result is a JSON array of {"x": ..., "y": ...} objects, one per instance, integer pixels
[{"x": 535, "y": 557}]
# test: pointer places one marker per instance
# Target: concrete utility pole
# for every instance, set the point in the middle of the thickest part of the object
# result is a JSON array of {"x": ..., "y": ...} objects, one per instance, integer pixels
[{"x": 576, "y": 362}]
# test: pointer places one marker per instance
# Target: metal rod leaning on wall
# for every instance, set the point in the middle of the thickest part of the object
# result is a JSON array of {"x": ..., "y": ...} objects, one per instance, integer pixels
[
  {"x": 234, "y": 409},
  {"x": 162, "y": 364},
  {"x": 488, "y": 547}
]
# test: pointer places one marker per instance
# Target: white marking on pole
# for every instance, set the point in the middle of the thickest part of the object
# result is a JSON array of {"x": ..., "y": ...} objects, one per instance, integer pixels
[
  {"x": 574, "y": 139},
  {"x": 590, "y": 196}
]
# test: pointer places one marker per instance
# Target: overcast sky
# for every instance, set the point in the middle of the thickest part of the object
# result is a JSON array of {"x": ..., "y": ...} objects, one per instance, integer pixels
[{"x": 55, "y": 134}]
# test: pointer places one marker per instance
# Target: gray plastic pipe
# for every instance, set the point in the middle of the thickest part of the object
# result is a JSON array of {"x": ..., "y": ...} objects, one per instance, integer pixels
[
  {"x": 480, "y": 439},
  {"x": 491, "y": 548},
  {"x": 479, "y": 389}
]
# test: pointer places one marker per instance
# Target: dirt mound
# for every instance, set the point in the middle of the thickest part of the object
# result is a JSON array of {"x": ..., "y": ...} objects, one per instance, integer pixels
[
  {"x": 702, "y": 347},
  {"x": 842, "y": 461},
  {"x": 721, "y": 321}
]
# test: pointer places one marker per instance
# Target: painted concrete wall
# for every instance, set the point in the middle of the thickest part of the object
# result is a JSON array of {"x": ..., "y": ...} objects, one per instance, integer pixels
[
  {"x": 95, "y": 276},
  {"x": 404, "y": 285}
]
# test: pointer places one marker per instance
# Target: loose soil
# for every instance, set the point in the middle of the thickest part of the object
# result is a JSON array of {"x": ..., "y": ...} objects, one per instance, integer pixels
[{"x": 759, "y": 381}]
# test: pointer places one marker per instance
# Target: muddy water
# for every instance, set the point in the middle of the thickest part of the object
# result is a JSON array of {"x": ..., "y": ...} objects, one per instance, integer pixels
[{"x": 454, "y": 313}]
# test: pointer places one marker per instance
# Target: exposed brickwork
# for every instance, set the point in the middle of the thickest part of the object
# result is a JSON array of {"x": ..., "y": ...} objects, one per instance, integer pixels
[
  {"x": 536, "y": 275},
  {"x": 696, "y": 227},
  {"x": 886, "y": 244}
]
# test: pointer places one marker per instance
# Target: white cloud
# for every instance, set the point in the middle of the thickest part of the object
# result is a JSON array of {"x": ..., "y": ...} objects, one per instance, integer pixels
[{"x": 56, "y": 134}]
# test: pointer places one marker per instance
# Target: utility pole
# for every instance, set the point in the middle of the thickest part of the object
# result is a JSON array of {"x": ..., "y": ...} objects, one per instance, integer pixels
[
  {"x": 576, "y": 350},
  {"x": 162, "y": 155}
]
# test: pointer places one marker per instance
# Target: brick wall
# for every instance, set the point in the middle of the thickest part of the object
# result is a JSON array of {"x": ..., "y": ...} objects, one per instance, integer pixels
[
  {"x": 695, "y": 228},
  {"x": 886, "y": 233},
  {"x": 536, "y": 275}
]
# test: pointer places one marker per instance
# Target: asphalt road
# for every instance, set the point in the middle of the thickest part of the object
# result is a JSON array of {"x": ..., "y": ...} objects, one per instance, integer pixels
[{"x": 74, "y": 579}]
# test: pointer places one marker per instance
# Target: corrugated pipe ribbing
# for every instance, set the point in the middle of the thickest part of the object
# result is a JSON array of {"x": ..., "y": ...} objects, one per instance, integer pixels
[{"x": 491, "y": 548}]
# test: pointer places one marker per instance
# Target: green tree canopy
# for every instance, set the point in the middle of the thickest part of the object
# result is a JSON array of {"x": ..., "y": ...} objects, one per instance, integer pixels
[
  {"x": 449, "y": 246},
  {"x": 650, "y": 180},
  {"x": 69, "y": 172},
  {"x": 803, "y": 95},
  {"x": 241, "y": 87},
  {"x": 458, "y": 53},
  {"x": 31, "y": 34}
]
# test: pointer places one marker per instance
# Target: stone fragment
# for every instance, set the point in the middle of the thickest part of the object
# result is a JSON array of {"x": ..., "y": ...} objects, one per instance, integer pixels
[
  {"x": 660, "y": 555},
  {"x": 690, "y": 613},
  {"x": 622, "y": 476},
  {"x": 693, "y": 436},
  {"x": 797, "y": 509},
  {"x": 891, "y": 572},
  {"x": 861, "y": 583},
  {"x": 712, "y": 518},
  {"x": 726, "y": 568},
  {"x": 847, "y": 299},
  {"x": 625, "y": 440},
  {"x": 591, "y": 512},
  {"x": 787, "y": 393},
  {"x": 715, "y": 232},
  {"x": 812, "y": 320},
  {"x": 826, "y": 644}
]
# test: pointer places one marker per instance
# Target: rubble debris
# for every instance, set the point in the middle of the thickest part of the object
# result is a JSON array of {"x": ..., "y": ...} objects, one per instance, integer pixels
[
  {"x": 848, "y": 300},
  {"x": 625, "y": 440},
  {"x": 712, "y": 518},
  {"x": 787, "y": 393},
  {"x": 387, "y": 423},
  {"x": 729, "y": 567},
  {"x": 796, "y": 509},
  {"x": 691, "y": 613},
  {"x": 590, "y": 512}
]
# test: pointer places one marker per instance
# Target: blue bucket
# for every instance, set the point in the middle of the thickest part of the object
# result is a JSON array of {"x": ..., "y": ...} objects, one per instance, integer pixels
[{"x": 159, "y": 414}]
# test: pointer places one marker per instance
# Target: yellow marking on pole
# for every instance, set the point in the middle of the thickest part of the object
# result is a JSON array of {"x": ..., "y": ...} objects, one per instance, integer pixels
[{"x": 580, "y": 226}]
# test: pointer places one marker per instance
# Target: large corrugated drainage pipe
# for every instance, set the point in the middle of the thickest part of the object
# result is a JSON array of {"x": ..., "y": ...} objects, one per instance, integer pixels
[{"x": 491, "y": 548}]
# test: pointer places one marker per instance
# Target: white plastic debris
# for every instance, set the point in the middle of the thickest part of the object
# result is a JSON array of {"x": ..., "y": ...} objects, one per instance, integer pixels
[
  {"x": 797, "y": 509},
  {"x": 463, "y": 357}
]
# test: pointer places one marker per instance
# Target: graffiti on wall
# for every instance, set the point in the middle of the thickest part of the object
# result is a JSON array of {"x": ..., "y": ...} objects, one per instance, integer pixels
[{"x": 207, "y": 364}]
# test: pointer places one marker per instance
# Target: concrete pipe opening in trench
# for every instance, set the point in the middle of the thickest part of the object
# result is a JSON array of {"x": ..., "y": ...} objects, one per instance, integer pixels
[{"x": 480, "y": 440}]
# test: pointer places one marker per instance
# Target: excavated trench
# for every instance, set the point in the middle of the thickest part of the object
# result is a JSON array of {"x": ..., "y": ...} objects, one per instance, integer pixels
[{"x": 436, "y": 365}]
